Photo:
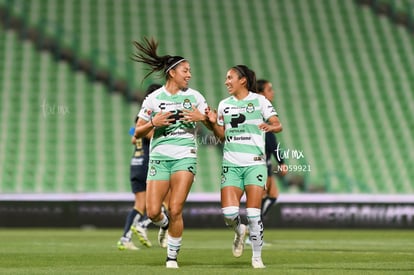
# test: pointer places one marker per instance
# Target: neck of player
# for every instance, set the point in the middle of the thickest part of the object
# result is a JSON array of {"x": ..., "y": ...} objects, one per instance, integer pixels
[{"x": 172, "y": 87}]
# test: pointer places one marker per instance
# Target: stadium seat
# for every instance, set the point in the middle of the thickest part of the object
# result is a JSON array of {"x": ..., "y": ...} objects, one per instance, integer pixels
[{"x": 343, "y": 77}]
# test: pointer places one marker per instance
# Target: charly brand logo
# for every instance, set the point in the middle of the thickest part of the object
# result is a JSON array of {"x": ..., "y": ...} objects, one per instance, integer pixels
[{"x": 52, "y": 109}]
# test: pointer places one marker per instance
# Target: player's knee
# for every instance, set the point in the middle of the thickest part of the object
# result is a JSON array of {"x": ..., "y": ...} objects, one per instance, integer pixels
[
  {"x": 231, "y": 214},
  {"x": 175, "y": 213},
  {"x": 153, "y": 213}
]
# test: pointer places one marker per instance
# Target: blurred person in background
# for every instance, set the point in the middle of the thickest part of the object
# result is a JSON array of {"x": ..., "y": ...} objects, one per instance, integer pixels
[
  {"x": 136, "y": 220},
  {"x": 271, "y": 192},
  {"x": 171, "y": 112},
  {"x": 265, "y": 88},
  {"x": 241, "y": 122}
]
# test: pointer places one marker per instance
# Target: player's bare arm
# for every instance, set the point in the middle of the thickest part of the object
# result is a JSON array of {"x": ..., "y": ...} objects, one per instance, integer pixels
[
  {"x": 217, "y": 129},
  {"x": 273, "y": 125},
  {"x": 144, "y": 127}
]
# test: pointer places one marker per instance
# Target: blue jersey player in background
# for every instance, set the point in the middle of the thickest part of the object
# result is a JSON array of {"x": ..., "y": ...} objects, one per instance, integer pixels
[
  {"x": 136, "y": 220},
  {"x": 265, "y": 88}
]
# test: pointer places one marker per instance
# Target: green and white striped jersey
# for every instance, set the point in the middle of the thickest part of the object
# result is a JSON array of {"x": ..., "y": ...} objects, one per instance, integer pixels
[
  {"x": 177, "y": 140},
  {"x": 244, "y": 142}
]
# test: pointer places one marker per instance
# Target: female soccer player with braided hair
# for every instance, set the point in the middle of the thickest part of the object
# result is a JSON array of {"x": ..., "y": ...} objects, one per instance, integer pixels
[
  {"x": 241, "y": 122},
  {"x": 172, "y": 112}
]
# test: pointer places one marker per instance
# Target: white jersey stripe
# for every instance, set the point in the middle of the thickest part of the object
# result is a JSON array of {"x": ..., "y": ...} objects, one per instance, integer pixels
[
  {"x": 241, "y": 119},
  {"x": 177, "y": 140}
]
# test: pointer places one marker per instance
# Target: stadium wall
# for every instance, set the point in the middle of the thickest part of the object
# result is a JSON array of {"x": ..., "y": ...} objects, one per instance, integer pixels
[{"x": 204, "y": 211}]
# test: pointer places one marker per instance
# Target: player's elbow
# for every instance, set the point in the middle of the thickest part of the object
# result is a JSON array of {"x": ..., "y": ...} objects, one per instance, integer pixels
[
  {"x": 139, "y": 133},
  {"x": 278, "y": 128},
  {"x": 133, "y": 140}
]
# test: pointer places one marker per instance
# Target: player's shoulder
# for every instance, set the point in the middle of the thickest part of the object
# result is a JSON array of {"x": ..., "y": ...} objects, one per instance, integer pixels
[
  {"x": 263, "y": 101},
  {"x": 193, "y": 92},
  {"x": 154, "y": 94},
  {"x": 257, "y": 96},
  {"x": 157, "y": 92},
  {"x": 226, "y": 100}
]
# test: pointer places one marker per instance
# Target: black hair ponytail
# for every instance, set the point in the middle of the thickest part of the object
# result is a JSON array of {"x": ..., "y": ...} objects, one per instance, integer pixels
[
  {"x": 147, "y": 54},
  {"x": 250, "y": 75},
  {"x": 261, "y": 85}
]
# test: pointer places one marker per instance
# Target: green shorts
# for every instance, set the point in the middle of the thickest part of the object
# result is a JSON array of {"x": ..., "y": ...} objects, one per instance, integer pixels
[
  {"x": 163, "y": 169},
  {"x": 242, "y": 176}
]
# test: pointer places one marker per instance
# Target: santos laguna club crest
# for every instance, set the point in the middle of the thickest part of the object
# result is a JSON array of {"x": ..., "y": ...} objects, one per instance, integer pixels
[
  {"x": 152, "y": 171},
  {"x": 250, "y": 108},
  {"x": 187, "y": 103},
  {"x": 223, "y": 179}
]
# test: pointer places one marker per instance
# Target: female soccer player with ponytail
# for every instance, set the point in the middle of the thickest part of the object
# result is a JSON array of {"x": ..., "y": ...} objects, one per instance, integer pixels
[
  {"x": 241, "y": 122},
  {"x": 172, "y": 112}
]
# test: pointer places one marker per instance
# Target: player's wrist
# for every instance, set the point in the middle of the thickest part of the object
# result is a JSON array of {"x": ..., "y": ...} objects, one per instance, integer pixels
[
  {"x": 136, "y": 134},
  {"x": 152, "y": 123},
  {"x": 204, "y": 118}
]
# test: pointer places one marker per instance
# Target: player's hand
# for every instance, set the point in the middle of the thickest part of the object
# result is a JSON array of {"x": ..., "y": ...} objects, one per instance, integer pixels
[
  {"x": 283, "y": 169},
  {"x": 273, "y": 125},
  {"x": 211, "y": 115},
  {"x": 162, "y": 119},
  {"x": 266, "y": 127},
  {"x": 193, "y": 115}
]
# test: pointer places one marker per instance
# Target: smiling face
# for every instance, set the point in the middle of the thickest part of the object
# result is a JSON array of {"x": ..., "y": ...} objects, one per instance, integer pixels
[
  {"x": 181, "y": 75},
  {"x": 235, "y": 85}
]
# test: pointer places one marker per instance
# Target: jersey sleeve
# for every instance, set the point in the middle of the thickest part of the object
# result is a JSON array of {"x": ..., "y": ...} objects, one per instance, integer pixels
[
  {"x": 146, "y": 110},
  {"x": 201, "y": 103},
  {"x": 220, "y": 117},
  {"x": 268, "y": 109}
]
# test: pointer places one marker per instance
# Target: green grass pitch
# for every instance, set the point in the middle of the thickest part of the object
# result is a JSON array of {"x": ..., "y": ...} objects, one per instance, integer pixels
[{"x": 76, "y": 251}]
